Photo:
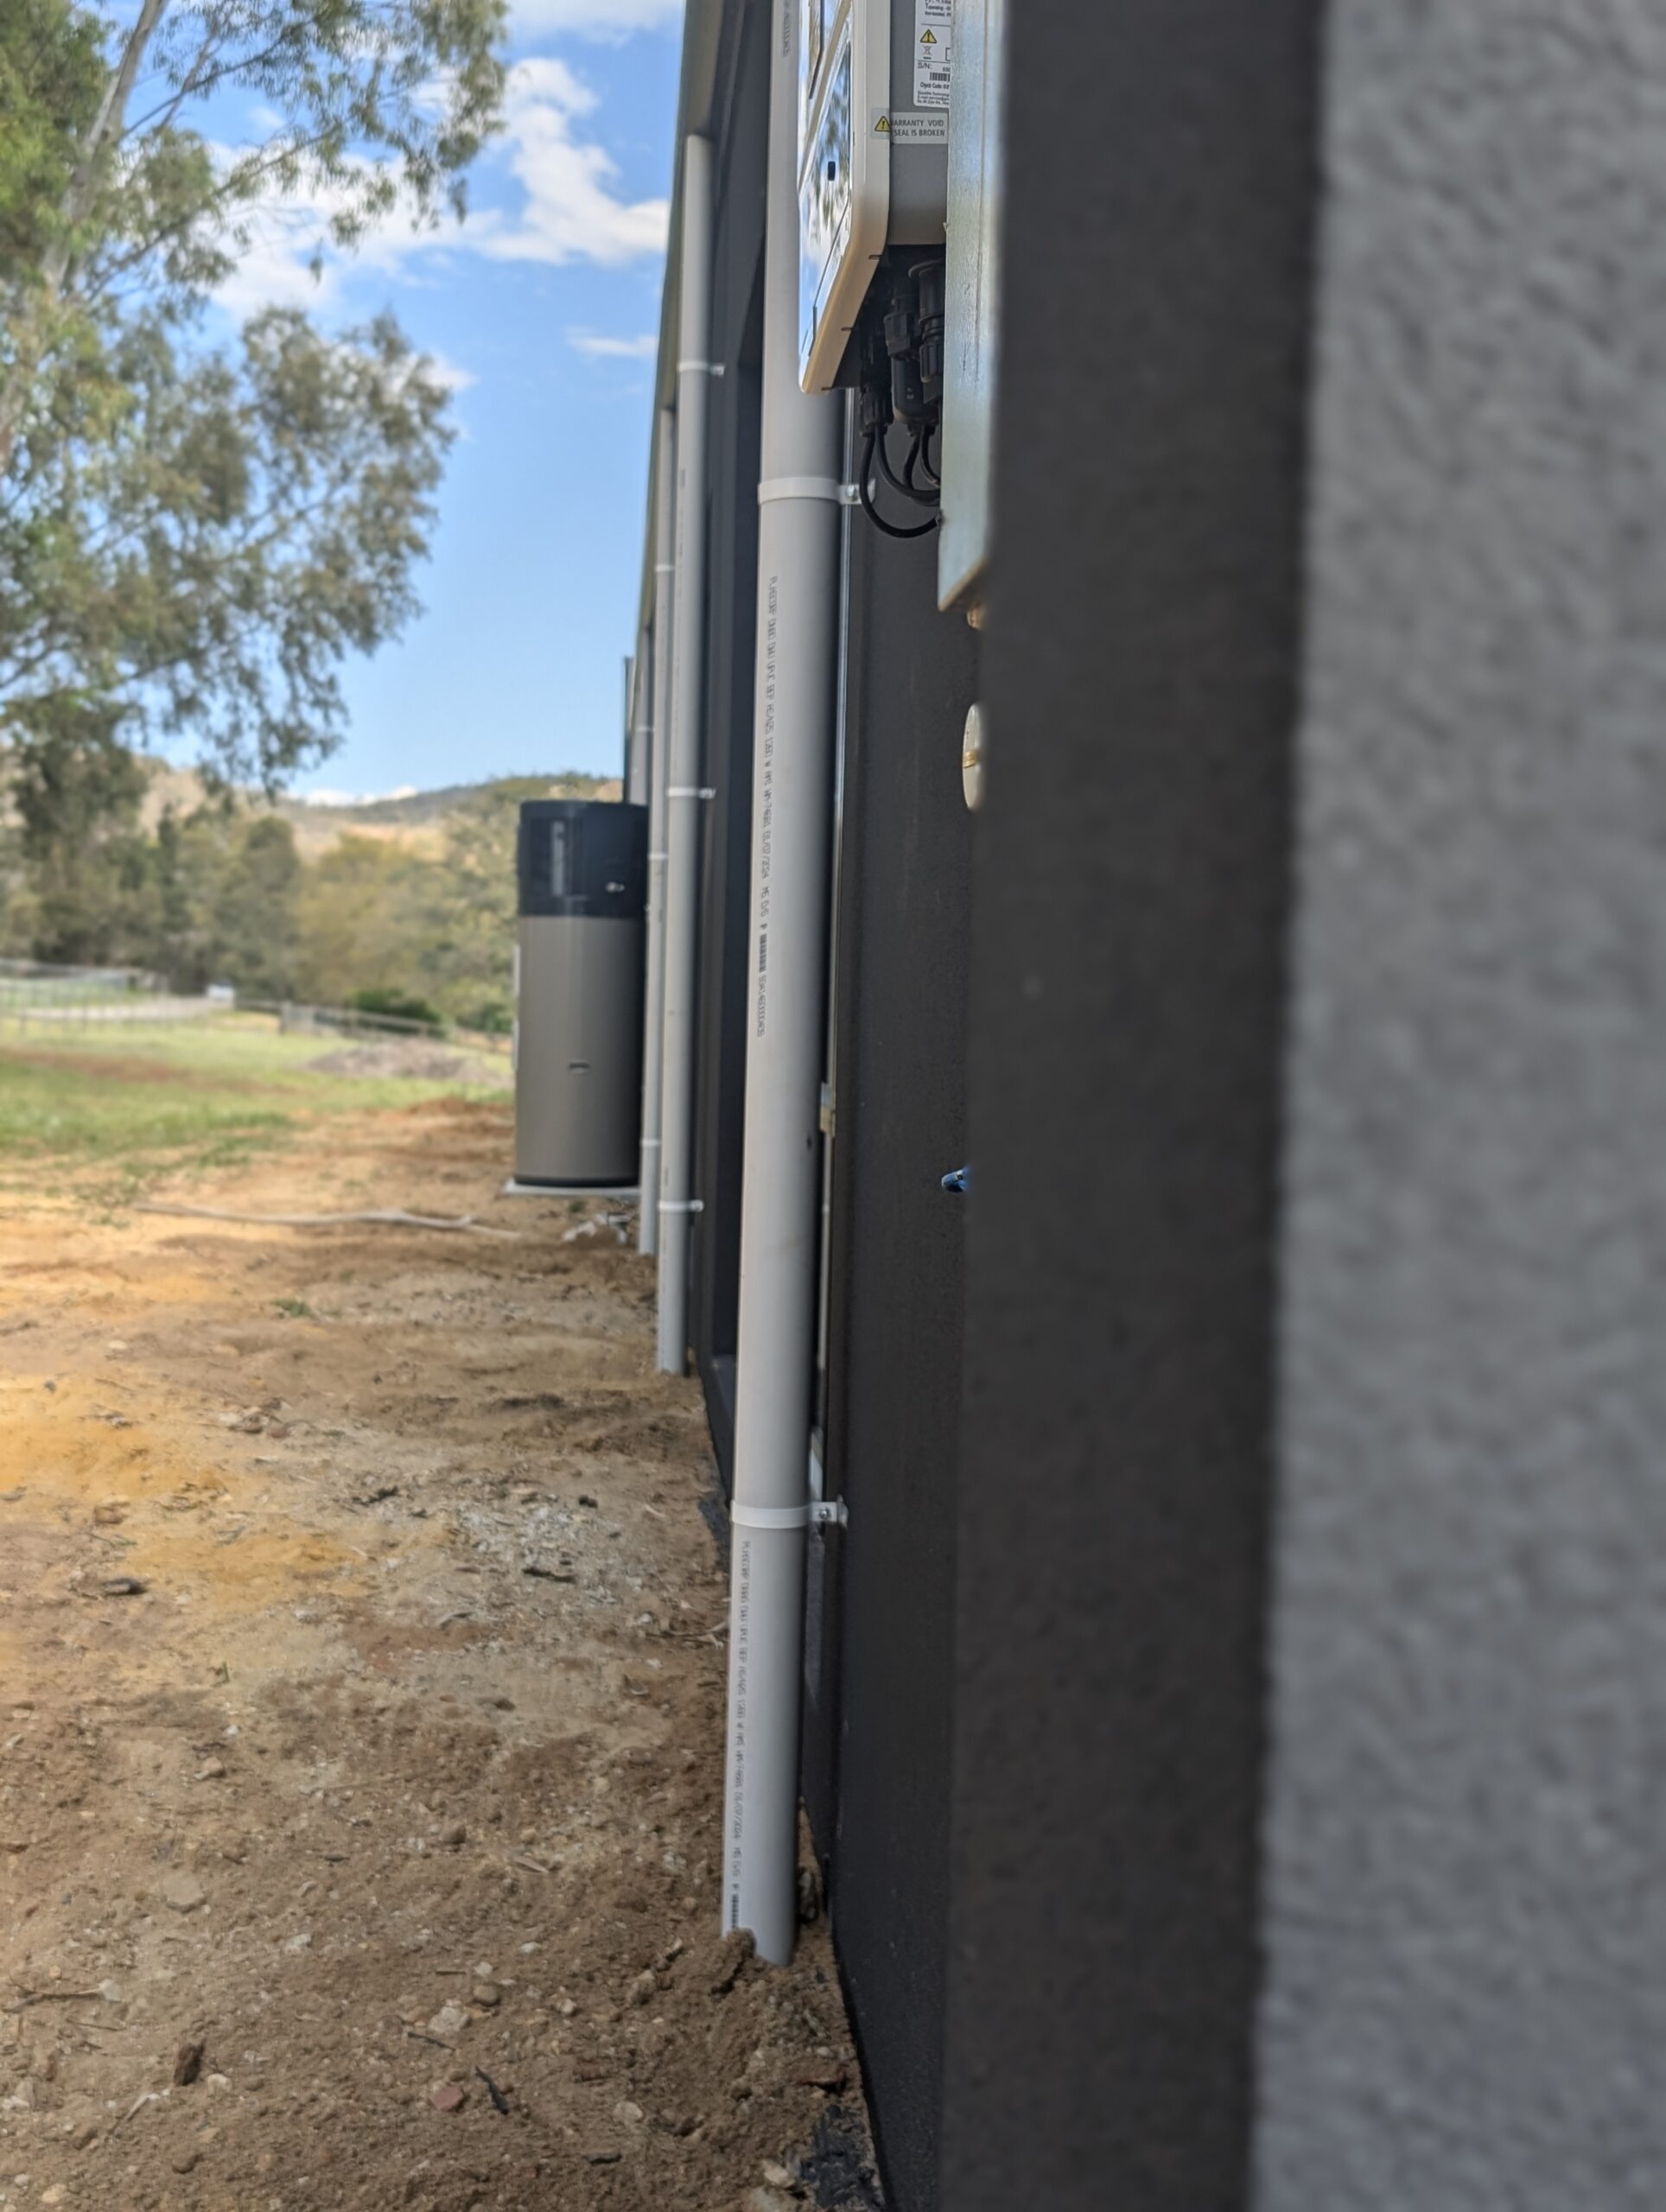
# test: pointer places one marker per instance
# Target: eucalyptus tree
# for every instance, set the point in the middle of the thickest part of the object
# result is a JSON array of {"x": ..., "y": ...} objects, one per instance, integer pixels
[{"x": 193, "y": 536}]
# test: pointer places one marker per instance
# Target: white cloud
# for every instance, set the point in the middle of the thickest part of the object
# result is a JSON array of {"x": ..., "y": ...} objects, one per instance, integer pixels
[
  {"x": 603, "y": 19},
  {"x": 614, "y": 349},
  {"x": 449, "y": 373},
  {"x": 570, "y": 209},
  {"x": 289, "y": 261}
]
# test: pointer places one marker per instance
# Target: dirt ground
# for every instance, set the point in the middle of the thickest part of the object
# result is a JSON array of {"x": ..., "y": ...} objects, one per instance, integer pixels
[{"x": 361, "y": 1680}]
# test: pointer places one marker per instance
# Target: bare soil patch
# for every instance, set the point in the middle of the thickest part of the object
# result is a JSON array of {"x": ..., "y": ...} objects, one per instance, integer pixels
[{"x": 361, "y": 1681}]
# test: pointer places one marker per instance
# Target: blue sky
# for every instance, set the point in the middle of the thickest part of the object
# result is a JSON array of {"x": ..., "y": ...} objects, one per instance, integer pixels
[{"x": 544, "y": 309}]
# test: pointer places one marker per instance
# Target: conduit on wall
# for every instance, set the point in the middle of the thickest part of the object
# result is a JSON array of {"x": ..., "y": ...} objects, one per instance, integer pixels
[
  {"x": 660, "y": 691},
  {"x": 682, "y": 792},
  {"x": 791, "y": 838},
  {"x": 636, "y": 749}
]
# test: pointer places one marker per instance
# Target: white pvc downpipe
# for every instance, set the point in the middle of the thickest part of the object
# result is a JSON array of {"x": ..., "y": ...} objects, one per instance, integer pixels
[
  {"x": 791, "y": 834},
  {"x": 659, "y": 688},
  {"x": 636, "y": 695},
  {"x": 681, "y": 794}
]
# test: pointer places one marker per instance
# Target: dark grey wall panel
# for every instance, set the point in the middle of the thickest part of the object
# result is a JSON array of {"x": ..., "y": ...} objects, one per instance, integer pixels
[
  {"x": 1468, "y": 1929},
  {"x": 878, "y": 1755},
  {"x": 1127, "y": 1006}
]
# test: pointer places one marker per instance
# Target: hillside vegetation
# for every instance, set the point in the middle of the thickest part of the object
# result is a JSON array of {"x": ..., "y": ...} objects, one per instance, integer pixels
[{"x": 410, "y": 900}]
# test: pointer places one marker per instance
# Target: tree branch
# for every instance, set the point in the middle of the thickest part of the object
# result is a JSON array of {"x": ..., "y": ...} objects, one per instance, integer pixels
[{"x": 73, "y": 212}]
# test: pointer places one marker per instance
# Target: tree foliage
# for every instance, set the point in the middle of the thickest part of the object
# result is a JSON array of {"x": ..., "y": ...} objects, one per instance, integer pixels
[
  {"x": 92, "y": 871},
  {"x": 191, "y": 538},
  {"x": 383, "y": 918},
  {"x": 204, "y": 560},
  {"x": 75, "y": 793}
]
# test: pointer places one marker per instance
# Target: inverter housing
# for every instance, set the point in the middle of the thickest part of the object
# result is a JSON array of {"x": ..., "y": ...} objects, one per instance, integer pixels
[
  {"x": 872, "y": 158},
  {"x": 582, "y": 869}
]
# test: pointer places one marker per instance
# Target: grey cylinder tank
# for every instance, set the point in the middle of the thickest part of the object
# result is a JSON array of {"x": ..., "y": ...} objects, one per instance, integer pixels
[{"x": 583, "y": 867}]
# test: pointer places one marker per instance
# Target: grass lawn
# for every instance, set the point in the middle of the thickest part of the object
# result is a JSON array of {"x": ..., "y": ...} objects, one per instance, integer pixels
[{"x": 143, "y": 1099}]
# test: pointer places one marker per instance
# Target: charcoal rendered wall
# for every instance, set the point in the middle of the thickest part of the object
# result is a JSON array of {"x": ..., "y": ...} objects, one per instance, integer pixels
[
  {"x": 1466, "y": 1938},
  {"x": 1127, "y": 1006},
  {"x": 877, "y": 1747},
  {"x": 726, "y": 843}
]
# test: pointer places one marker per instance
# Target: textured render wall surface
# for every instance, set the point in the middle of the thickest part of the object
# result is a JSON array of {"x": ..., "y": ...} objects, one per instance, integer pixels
[
  {"x": 1466, "y": 1995},
  {"x": 1125, "y": 1027},
  {"x": 894, "y": 1342}
]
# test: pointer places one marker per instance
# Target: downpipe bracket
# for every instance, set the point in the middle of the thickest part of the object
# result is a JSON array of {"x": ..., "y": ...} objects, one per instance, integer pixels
[
  {"x": 800, "y": 488},
  {"x": 814, "y": 1513}
]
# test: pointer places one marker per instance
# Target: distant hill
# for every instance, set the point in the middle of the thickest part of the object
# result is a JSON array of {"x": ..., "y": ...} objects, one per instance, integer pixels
[
  {"x": 416, "y": 822},
  {"x": 450, "y": 798},
  {"x": 412, "y": 894},
  {"x": 419, "y": 821}
]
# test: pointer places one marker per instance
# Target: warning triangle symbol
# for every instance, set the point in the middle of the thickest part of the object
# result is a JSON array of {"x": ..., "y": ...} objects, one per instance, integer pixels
[
  {"x": 928, "y": 38},
  {"x": 884, "y": 123}
]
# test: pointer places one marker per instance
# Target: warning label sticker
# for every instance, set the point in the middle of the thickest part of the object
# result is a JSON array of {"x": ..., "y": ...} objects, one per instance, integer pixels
[
  {"x": 906, "y": 126},
  {"x": 934, "y": 23}
]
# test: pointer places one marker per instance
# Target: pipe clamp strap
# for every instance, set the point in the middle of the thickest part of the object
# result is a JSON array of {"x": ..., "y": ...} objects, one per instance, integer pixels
[
  {"x": 700, "y": 368},
  {"x": 798, "y": 487},
  {"x": 770, "y": 1516},
  {"x": 816, "y": 1513},
  {"x": 682, "y": 1205},
  {"x": 665, "y": 568},
  {"x": 650, "y": 1144},
  {"x": 692, "y": 791}
]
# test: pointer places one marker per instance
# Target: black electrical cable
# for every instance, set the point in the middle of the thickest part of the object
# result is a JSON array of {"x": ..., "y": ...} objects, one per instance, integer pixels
[
  {"x": 864, "y": 491},
  {"x": 916, "y": 454},
  {"x": 928, "y": 467},
  {"x": 901, "y": 484}
]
